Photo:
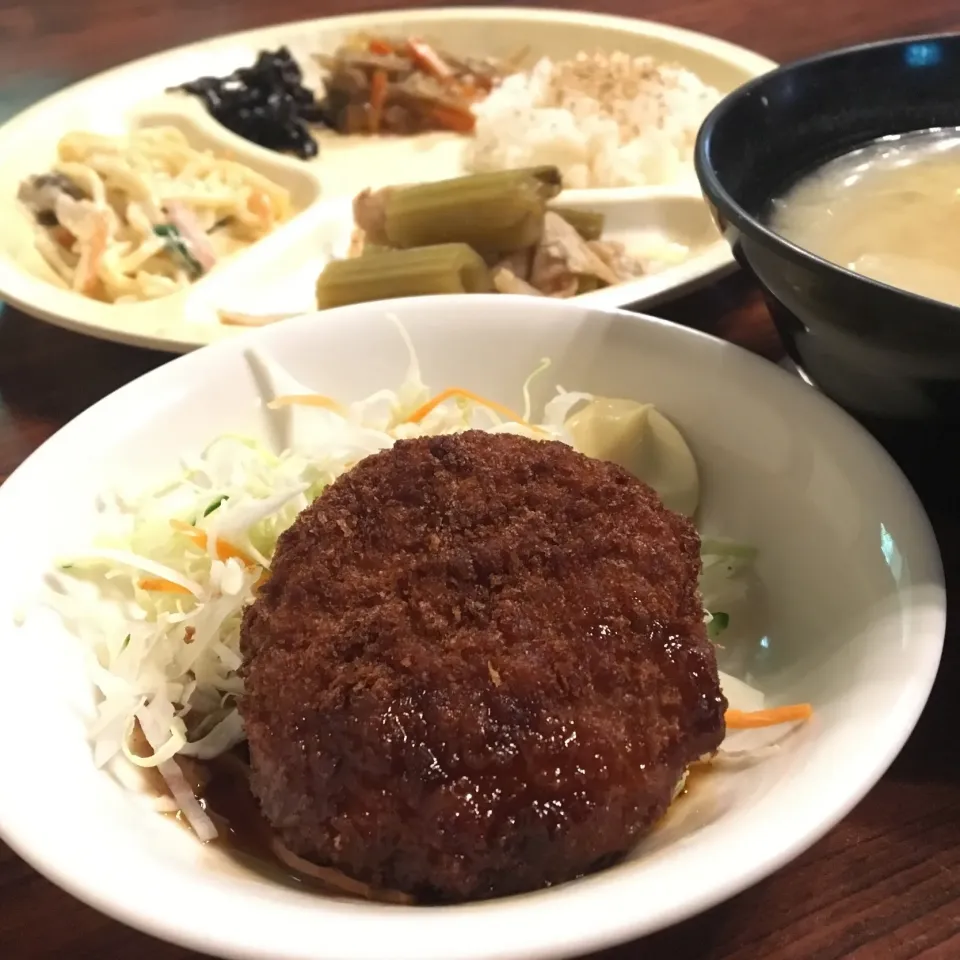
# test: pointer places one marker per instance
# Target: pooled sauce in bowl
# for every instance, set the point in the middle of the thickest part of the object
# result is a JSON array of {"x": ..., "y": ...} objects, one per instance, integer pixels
[
  {"x": 889, "y": 210},
  {"x": 249, "y": 840}
]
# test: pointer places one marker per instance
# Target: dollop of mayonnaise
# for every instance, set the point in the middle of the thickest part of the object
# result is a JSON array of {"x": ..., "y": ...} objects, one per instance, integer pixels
[{"x": 637, "y": 437}]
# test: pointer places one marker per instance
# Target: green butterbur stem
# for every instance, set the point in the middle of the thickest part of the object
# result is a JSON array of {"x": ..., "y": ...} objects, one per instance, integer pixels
[
  {"x": 495, "y": 213},
  {"x": 447, "y": 268}
]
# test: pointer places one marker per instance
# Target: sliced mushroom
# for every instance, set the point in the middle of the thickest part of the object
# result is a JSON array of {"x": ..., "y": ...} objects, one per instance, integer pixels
[{"x": 40, "y": 194}]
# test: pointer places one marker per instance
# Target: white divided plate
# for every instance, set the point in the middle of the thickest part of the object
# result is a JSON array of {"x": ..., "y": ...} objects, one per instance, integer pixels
[
  {"x": 850, "y": 617},
  {"x": 131, "y": 95}
]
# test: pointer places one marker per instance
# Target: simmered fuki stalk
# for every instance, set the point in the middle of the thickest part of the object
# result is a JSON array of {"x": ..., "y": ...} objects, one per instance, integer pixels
[
  {"x": 447, "y": 268},
  {"x": 491, "y": 212},
  {"x": 491, "y": 232}
]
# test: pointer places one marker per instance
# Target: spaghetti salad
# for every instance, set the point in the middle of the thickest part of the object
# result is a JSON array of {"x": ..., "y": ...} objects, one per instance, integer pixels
[{"x": 126, "y": 220}]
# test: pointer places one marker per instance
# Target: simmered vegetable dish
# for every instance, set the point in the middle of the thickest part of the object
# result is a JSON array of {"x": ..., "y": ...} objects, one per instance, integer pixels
[{"x": 488, "y": 232}]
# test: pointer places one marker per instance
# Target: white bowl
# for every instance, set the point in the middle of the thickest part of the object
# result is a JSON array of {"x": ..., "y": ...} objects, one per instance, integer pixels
[{"x": 853, "y": 622}]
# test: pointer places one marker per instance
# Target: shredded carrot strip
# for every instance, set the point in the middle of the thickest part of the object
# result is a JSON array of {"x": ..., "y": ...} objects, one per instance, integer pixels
[
  {"x": 159, "y": 585},
  {"x": 418, "y": 415},
  {"x": 224, "y": 550},
  {"x": 741, "y": 720},
  {"x": 305, "y": 400},
  {"x": 328, "y": 403},
  {"x": 451, "y": 118},
  {"x": 88, "y": 281},
  {"x": 378, "y": 99},
  {"x": 429, "y": 60},
  {"x": 380, "y": 47}
]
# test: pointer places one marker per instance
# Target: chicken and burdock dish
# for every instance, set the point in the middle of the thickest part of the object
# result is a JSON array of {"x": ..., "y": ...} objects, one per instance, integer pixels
[{"x": 479, "y": 667}]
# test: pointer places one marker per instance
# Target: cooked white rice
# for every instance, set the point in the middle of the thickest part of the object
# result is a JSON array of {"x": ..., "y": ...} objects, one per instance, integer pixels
[{"x": 606, "y": 120}]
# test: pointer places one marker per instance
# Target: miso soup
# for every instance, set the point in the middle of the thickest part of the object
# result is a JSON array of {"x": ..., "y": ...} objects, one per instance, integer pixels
[{"x": 889, "y": 210}]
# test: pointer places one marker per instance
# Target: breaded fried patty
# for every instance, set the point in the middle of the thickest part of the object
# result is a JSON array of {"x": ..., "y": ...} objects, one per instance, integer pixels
[{"x": 479, "y": 667}]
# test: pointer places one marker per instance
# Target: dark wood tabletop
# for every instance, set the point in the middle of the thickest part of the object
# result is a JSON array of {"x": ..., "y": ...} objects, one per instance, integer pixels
[{"x": 885, "y": 883}]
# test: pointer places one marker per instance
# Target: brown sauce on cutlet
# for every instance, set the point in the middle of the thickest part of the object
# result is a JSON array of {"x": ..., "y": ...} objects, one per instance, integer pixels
[
  {"x": 223, "y": 788},
  {"x": 235, "y": 811},
  {"x": 540, "y": 766},
  {"x": 479, "y": 668},
  {"x": 245, "y": 836}
]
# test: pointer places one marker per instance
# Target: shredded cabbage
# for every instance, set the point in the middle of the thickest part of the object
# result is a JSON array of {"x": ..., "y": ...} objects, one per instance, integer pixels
[{"x": 157, "y": 599}]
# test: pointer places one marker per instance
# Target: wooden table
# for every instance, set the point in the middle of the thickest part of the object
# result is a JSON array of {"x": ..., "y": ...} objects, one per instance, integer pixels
[{"x": 886, "y": 882}]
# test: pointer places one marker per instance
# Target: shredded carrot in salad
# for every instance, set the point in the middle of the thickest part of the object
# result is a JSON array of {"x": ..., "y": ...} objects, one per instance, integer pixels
[
  {"x": 418, "y": 415},
  {"x": 159, "y": 585},
  {"x": 750, "y": 720},
  {"x": 450, "y": 393},
  {"x": 224, "y": 550}
]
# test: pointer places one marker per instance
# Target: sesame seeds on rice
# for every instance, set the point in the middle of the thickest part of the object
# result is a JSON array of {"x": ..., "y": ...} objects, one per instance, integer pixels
[{"x": 605, "y": 119}]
